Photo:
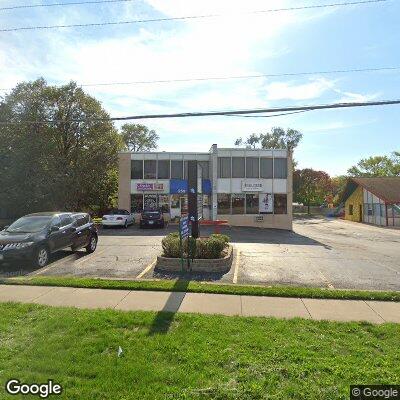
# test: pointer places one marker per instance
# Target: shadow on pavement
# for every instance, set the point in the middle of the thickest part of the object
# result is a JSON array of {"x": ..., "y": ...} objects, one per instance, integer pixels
[{"x": 164, "y": 318}]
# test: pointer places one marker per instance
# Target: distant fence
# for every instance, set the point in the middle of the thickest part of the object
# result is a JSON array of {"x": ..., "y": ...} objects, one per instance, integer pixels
[{"x": 314, "y": 210}]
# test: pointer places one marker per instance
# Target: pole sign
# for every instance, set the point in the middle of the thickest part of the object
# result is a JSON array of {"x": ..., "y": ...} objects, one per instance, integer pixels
[{"x": 183, "y": 234}]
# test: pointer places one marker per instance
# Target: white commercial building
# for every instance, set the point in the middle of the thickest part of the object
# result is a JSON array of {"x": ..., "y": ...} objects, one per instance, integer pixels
[{"x": 245, "y": 187}]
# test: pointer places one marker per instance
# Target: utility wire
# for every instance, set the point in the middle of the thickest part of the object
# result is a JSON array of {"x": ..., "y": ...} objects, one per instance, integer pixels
[
  {"x": 217, "y": 113},
  {"x": 62, "y": 4},
  {"x": 188, "y": 17},
  {"x": 218, "y": 78}
]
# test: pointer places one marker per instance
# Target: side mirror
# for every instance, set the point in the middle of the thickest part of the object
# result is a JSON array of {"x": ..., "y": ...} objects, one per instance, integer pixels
[
  {"x": 54, "y": 229},
  {"x": 5, "y": 227}
]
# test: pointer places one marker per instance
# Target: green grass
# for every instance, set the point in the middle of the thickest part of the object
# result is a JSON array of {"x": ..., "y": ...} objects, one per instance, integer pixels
[
  {"x": 199, "y": 287},
  {"x": 187, "y": 356}
]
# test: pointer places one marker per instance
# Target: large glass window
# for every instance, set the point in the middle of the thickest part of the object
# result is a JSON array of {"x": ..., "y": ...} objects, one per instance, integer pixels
[
  {"x": 150, "y": 169},
  {"x": 252, "y": 167},
  {"x": 205, "y": 166},
  {"x": 266, "y": 168},
  {"x": 163, "y": 202},
  {"x": 252, "y": 203},
  {"x": 224, "y": 203},
  {"x": 136, "y": 169},
  {"x": 280, "y": 168},
  {"x": 136, "y": 203},
  {"x": 237, "y": 203},
  {"x": 224, "y": 167},
  {"x": 163, "y": 169},
  {"x": 176, "y": 169},
  {"x": 237, "y": 167},
  {"x": 280, "y": 204},
  {"x": 150, "y": 202}
]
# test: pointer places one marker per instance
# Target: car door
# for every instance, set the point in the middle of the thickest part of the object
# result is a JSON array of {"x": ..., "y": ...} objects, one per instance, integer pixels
[
  {"x": 82, "y": 230},
  {"x": 67, "y": 230},
  {"x": 55, "y": 235},
  {"x": 129, "y": 217}
]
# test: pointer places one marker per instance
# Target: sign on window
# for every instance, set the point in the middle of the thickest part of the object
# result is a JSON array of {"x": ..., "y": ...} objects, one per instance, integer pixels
[{"x": 266, "y": 204}]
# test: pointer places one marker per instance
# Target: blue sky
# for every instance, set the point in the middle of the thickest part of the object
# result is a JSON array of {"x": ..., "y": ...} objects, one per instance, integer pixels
[{"x": 359, "y": 36}]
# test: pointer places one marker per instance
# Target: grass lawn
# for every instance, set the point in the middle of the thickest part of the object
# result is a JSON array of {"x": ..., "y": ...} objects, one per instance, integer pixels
[
  {"x": 188, "y": 356},
  {"x": 204, "y": 287}
]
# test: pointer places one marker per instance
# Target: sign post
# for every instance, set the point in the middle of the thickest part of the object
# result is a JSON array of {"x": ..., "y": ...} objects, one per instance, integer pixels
[{"x": 183, "y": 234}]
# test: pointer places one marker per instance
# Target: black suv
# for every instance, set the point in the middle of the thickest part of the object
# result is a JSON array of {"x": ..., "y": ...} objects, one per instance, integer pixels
[
  {"x": 35, "y": 236},
  {"x": 152, "y": 218}
]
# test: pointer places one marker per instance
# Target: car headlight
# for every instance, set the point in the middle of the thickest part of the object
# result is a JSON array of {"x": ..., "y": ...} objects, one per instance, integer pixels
[{"x": 18, "y": 245}]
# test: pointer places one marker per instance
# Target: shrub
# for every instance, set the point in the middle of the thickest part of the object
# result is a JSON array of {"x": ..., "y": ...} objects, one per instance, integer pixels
[
  {"x": 219, "y": 236},
  {"x": 171, "y": 246}
]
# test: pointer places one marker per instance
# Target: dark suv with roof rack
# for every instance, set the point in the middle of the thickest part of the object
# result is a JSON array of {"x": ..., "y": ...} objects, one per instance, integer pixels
[{"x": 35, "y": 237}]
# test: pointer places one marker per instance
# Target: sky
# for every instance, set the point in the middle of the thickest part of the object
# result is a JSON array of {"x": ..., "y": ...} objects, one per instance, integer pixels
[{"x": 238, "y": 43}]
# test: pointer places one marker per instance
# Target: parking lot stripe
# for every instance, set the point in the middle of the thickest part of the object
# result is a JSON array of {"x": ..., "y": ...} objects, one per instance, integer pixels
[
  {"x": 147, "y": 269},
  {"x": 237, "y": 264},
  {"x": 88, "y": 258}
]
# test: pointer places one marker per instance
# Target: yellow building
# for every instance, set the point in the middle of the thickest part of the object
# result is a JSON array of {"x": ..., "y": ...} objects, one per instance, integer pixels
[{"x": 373, "y": 200}]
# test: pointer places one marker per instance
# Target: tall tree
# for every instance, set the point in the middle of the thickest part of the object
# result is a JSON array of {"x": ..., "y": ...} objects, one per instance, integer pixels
[
  {"x": 377, "y": 166},
  {"x": 278, "y": 138},
  {"x": 56, "y": 165},
  {"x": 311, "y": 187},
  {"x": 138, "y": 137}
]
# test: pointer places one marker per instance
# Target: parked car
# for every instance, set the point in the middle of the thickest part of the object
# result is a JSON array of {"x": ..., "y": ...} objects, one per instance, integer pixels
[
  {"x": 35, "y": 237},
  {"x": 153, "y": 218},
  {"x": 121, "y": 218}
]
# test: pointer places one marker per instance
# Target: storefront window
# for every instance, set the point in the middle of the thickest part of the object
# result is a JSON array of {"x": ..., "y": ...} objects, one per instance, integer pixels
[
  {"x": 252, "y": 167},
  {"x": 237, "y": 203},
  {"x": 150, "y": 202},
  {"x": 237, "y": 167},
  {"x": 252, "y": 203},
  {"x": 224, "y": 203},
  {"x": 266, "y": 168},
  {"x": 136, "y": 203},
  {"x": 163, "y": 202},
  {"x": 176, "y": 169},
  {"x": 163, "y": 169},
  {"x": 280, "y": 168},
  {"x": 224, "y": 167},
  {"x": 280, "y": 204},
  {"x": 136, "y": 169},
  {"x": 150, "y": 169}
]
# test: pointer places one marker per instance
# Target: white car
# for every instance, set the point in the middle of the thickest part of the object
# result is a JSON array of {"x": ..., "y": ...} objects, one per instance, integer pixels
[{"x": 117, "y": 218}]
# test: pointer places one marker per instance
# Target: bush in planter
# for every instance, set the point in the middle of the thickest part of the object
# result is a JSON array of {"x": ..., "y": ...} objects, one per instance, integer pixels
[
  {"x": 209, "y": 248},
  {"x": 219, "y": 236},
  {"x": 171, "y": 246}
]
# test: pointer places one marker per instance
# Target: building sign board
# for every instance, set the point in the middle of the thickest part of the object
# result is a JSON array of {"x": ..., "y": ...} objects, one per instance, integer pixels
[
  {"x": 144, "y": 187},
  {"x": 252, "y": 186},
  {"x": 266, "y": 203}
]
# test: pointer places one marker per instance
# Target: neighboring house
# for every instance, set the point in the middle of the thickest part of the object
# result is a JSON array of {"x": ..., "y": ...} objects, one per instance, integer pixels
[
  {"x": 242, "y": 186},
  {"x": 373, "y": 200}
]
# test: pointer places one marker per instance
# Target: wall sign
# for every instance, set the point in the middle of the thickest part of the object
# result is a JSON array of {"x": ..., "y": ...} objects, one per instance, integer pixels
[
  {"x": 149, "y": 186},
  {"x": 252, "y": 186},
  {"x": 266, "y": 203}
]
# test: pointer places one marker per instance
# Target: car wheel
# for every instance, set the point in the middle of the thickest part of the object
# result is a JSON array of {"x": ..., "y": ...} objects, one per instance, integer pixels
[
  {"x": 42, "y": 257},
  {"x": 92, "y": 246},
  {"x": 126, "y": 224}
]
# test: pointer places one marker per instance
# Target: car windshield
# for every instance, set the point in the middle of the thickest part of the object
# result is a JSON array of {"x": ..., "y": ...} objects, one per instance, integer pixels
[
  {"x": 115, "y": 212},
  {"x": 151, "y": 213},
  {"x": 29, "y": 224}
]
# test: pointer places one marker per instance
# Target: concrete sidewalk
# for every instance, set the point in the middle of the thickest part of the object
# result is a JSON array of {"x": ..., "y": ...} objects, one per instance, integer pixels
[{"x": 249, "y": 306}]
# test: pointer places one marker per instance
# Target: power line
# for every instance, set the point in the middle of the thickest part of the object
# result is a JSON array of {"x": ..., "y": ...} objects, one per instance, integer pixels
[
  {"x": 62, "y": 4},
  {"x": 218, "y": 113},
  {"x": 188, "y": 17},
  {"x": 217, "y": 78}
]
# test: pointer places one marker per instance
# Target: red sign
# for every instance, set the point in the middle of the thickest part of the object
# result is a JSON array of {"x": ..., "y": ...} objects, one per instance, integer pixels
[{"x": 149, "y": 186}]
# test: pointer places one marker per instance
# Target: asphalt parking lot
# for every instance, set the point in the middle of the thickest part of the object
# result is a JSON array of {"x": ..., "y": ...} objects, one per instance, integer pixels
[{"x": 318, "y": 253}]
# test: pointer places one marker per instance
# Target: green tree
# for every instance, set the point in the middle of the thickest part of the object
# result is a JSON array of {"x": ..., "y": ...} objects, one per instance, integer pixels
[
  {"x": 278, "y": 138},
  {"x": 338, "y": 186},
  {"x": 138, "y": 137},
  {"x": 62, "y": 164},
  {"x": 311, "y": 187},
  {"x": 377, "y": 166}
]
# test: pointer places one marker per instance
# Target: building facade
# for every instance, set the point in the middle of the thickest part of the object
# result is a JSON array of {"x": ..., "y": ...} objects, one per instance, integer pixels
[
  {"x": 241, "y": 186},
  {"x": 373, "y": 200}
]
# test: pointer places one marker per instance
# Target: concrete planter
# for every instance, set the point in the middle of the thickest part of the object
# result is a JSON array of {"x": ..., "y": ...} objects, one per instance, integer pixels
[{"x": 198, "y": 265}]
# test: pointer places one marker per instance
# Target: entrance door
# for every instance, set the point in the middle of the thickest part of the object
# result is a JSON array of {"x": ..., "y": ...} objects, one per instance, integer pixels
[
  {"x": 360, "y": 218},
  {"x": 184, "y": 205}
]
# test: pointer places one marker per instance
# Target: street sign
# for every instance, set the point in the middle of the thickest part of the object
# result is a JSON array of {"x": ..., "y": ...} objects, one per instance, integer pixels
[{"x": 184, "y": 227}]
